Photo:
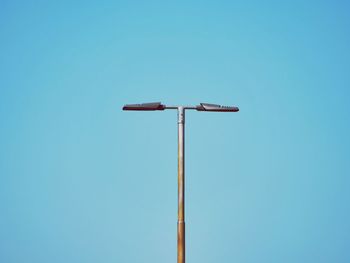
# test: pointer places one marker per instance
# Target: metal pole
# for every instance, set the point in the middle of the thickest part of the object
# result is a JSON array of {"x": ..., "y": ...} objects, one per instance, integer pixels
[{"x": 181, "y": 186}]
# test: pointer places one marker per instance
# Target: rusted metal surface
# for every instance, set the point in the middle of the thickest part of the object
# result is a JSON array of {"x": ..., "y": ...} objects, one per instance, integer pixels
[
  {"x": 181, "y": 242},
  {"x": 181, "y": 187}
]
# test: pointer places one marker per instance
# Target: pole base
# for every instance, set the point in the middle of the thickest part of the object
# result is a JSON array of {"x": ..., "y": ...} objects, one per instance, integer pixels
[{"x": 180, "y": 242}]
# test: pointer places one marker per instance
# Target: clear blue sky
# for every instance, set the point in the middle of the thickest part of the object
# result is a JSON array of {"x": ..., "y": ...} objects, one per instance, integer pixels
[{"x": 82, "y": 181}]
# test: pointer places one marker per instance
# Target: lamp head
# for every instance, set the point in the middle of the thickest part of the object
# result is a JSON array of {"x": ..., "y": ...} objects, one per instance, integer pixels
[
  {"x": 145, "y": 106},
  {"x": 215, "y": 107}
]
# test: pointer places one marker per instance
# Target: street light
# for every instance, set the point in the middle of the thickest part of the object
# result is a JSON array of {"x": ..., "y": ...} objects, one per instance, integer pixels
[{"x": 181, "y": 160}]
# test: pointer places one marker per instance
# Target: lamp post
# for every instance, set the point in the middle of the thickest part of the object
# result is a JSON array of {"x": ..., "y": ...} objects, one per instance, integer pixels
[{"x": 181, "y": 157}]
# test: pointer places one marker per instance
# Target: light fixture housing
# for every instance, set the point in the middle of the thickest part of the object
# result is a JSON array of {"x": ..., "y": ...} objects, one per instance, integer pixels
[
  {"x": 216, "y": 107},
  {"x": 145, "y": 106}
]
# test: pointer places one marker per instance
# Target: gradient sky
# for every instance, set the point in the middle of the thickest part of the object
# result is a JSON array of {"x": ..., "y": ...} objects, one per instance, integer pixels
[{"x": 83, "y": 181}]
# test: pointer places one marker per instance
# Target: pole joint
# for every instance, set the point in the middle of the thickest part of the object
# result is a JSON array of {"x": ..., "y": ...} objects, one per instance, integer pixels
[{"x": 181, "y": 115}]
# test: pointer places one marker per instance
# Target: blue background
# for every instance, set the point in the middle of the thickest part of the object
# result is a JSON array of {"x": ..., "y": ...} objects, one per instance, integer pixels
[{"x": 83, "y": 181}]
